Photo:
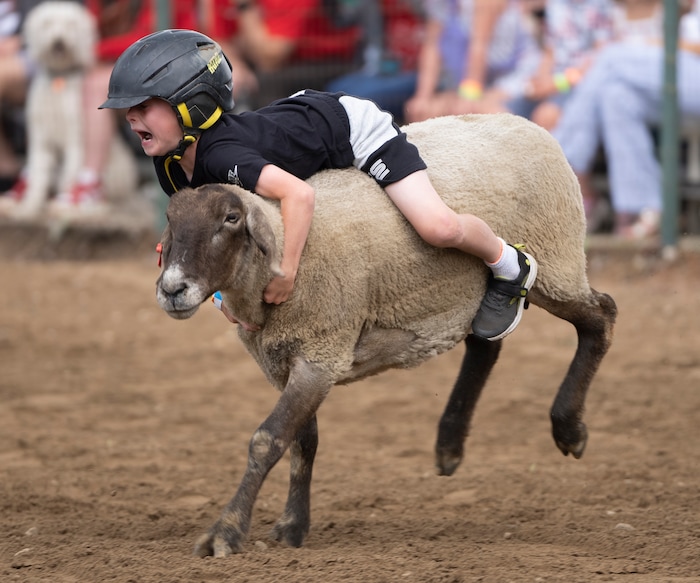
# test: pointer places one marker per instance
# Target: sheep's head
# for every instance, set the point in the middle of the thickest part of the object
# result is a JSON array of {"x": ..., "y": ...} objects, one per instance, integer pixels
[{"x": 215, "y": 235}]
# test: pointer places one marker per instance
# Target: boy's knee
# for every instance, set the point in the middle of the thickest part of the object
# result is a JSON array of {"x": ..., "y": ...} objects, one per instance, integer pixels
[{"x": 443, "y": 231}]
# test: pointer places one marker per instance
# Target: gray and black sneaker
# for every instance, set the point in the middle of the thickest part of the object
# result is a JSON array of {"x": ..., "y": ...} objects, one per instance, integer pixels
[{"x": 504, "y": 300}]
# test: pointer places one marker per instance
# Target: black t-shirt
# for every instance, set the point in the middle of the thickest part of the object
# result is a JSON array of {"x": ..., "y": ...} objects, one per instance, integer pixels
[{"x": 301, "y": 134}]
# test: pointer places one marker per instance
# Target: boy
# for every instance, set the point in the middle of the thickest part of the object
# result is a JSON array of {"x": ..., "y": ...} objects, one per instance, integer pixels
[{"x": 177, "y": 87}]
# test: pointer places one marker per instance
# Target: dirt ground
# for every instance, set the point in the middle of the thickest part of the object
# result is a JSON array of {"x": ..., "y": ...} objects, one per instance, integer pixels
[{"x": 124, "y": 432}]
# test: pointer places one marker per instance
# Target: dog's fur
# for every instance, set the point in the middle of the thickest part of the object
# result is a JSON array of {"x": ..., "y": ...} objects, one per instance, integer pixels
[{"x": 60, "y": 38}]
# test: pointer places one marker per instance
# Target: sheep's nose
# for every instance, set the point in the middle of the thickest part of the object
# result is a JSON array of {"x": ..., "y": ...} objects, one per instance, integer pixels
[{"x": 173, "y": 291}]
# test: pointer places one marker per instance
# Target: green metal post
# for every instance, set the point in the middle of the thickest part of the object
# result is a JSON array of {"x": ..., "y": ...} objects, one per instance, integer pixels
[
  {"x": 163, "y": 17},
  {"x": 163, "y": 21},
  {"x": 670, "y": 129}
]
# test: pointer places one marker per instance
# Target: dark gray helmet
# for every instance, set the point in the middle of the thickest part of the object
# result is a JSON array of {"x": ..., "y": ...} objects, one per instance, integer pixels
[{"x": 184, "y": 67}]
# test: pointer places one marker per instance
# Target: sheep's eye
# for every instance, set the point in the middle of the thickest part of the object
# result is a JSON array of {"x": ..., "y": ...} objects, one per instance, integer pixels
[{"x": 233, "y": 218}]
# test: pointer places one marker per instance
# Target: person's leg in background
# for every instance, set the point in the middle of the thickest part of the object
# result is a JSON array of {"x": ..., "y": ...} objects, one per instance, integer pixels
[
  {"x": 100, "y": 129},
  {"x": 630, "y": 106},
  {"x": 14, "y": 80},
  {"x": 578, "y": 132}
]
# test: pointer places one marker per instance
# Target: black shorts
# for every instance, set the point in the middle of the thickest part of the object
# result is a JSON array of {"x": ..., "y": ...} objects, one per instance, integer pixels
[{"x": 381, "y": 149}]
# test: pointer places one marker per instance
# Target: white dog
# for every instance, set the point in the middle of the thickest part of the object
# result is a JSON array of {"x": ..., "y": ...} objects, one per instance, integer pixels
[{"x": 60, "y": 37}]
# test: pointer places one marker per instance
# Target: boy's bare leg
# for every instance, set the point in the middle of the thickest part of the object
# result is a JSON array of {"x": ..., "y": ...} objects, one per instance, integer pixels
[
  {"x": 513, "y": 271},
  {"x": 438, "y": 224}
]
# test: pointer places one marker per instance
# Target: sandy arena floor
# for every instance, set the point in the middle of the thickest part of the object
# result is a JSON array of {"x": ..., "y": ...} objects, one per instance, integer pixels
[{"x": 123, "y": 433}]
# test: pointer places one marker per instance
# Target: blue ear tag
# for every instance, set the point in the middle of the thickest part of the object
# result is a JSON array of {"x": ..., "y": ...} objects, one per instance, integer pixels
[{"x": 216, "y": 300}]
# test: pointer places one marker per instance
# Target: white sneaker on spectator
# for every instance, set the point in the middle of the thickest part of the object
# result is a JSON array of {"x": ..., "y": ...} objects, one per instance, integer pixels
[{"x": 85, "y": 199}]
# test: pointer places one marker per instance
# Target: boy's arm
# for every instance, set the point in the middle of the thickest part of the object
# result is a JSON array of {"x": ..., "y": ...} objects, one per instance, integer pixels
[{"x": 297, "y": 206}]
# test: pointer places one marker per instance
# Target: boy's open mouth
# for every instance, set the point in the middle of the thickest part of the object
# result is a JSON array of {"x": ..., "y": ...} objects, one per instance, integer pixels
[{"x": 145, "y": 136}]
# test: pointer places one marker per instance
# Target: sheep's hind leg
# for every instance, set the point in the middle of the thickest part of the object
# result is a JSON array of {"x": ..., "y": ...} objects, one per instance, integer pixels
[
  {"x": 293, "y": 525},
  {"x": 594, "y": 319},
  {"x": 292, "y": 417},
  {"x": 453, "y": 429}
]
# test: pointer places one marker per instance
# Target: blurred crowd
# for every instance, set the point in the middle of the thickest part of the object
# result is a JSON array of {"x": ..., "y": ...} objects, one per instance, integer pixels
[{"x": 588, "y": 71}]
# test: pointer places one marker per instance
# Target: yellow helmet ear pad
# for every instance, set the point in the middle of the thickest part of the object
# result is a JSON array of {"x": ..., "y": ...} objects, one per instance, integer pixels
[
  {"x": 212, "y": 119},
  {"x": 186, "y": 117}
]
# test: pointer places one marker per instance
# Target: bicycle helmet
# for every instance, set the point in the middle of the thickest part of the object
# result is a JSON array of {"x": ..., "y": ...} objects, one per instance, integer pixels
[{"x": 184, "y": 67}]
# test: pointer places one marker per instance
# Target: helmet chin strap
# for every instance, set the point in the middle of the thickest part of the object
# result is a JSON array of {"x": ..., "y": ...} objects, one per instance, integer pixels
[
  {"x": 177, "y": 154},
  {"x": 189, "y": 134},
  {"x": 186, "y": 141},
  {"x": 187, "y": 125}
]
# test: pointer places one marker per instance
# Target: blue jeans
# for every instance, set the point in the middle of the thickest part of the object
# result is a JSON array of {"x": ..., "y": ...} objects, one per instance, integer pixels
[
  {"x": 615, "y": 104},
  {"x": 389, "y": 92}
]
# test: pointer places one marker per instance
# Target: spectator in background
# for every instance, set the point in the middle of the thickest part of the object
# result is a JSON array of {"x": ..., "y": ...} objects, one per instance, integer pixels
[
  {"x": 476, "y": 57},
  {"x": 574, "y": 31},
  {"x": 15, "y": 73},
  {"x": 293, "y": 46},
  {"x": 218, "y": 19},
  {"x": 616, "y": 104},
  {"x": 391, "y": 38},
  {"x": 120, "y": 27}
]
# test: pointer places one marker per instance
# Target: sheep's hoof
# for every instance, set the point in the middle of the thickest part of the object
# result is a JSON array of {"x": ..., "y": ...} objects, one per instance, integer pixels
[
  {"x": 289, "y": 533},
  {"x": 218, "y": 544},
  {"x": 447, "y": 462},
  {"x": 576, "y": 448}
]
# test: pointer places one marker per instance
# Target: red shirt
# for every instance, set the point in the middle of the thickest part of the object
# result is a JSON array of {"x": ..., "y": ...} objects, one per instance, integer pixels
[
  {"x": 306, "y": 23},
  {"x": 218, "y": 21},
  {"x": 220, "y": 24},
  {"x": 403, "y": 32},
  {"x": 111, "y": 44}
]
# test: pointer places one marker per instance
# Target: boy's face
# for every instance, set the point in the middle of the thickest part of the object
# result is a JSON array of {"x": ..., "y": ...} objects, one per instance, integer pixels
[{"x": 156, "y": 124}]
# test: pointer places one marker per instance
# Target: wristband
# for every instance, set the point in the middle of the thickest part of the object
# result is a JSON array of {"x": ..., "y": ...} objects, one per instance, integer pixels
[
  {"x": 470, "y": 90},
  {"x": 561, "y": 82},
  {"x": 566, "y": 80}
]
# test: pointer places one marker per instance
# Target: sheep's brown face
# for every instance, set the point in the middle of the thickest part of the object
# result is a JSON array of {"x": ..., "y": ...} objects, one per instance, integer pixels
[{"x": 206, "y": 233}]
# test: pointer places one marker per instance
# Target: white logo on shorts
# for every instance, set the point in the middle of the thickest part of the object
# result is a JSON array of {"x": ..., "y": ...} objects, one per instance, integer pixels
[
  {"x": 378, "y": 170},
  {"x": 232, "y": 176}
]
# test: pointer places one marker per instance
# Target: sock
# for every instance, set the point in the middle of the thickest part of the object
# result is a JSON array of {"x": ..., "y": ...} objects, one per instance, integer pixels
[
  {"x": 88, "y": 176},
  {"x": 506, "y": 266}
]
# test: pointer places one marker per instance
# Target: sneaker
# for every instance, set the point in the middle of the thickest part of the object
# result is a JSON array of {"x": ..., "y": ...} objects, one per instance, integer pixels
[
  {"x": 505, "y": 300},
  {"x": 19, "y": 188},
  {"x": 647, "y": 225},
  {"x": 85, "y": 198},
  {"x": 11, "y": 198}
]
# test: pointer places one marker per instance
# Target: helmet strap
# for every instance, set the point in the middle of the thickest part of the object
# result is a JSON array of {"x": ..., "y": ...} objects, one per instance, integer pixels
[
  {"x": 213, "y": 118},
  {"x": 186, "y": 120},
  {"x": 190, "y": 134},
  {"x": 185, "y": 142},
  {"x": 177, "y": 154}
]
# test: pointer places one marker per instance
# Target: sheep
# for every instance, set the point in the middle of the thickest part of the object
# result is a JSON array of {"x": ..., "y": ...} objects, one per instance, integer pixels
[{"x": 370, "y": 295}]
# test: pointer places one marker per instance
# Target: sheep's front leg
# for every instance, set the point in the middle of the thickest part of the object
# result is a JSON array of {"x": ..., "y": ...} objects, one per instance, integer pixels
[
  {"x": 293, "y": 525},
  {"x": 453, "y": 429},
  {"x": 292, "y": 416}
]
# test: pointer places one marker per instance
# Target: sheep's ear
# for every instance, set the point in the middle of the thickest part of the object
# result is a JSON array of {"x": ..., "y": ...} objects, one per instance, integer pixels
[
  {"x": 166, "y": 237},
  {"x": 163, "y": 244},
  {"x": 261, "y": 232}
]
